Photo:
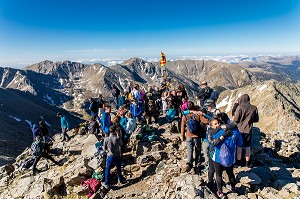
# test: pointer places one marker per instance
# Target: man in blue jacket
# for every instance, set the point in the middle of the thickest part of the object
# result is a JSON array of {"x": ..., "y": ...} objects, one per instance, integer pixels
[
  {"x": 64, "y": 126},
  {"x": 106, "y": 120}
]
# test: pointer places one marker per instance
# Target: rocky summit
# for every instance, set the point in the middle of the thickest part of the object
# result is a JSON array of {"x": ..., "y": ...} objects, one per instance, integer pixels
[{"x": 155, "y": 169}]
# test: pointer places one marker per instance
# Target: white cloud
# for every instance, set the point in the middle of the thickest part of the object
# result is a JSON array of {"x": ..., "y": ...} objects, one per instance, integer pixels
[{"x": 95, "y": 50}]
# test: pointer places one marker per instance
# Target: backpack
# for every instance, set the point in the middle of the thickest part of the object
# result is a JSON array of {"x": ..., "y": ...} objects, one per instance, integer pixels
[
  {"x": 36, "y": 149},
  {"x": 207, "y": 92},
  {"x": 214, "y": 95},
  {"x": 192, "y": 124},
  {"x": 227, "y": 151},
  {"x": 92, "y": 185}
]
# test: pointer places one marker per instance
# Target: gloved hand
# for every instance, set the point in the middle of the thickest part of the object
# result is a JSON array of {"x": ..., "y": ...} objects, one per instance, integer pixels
[{"x": 227, "y": 133}]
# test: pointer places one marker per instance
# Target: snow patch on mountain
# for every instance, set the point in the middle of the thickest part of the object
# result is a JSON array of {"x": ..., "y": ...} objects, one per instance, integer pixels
[
  {"x": 29, "y": 122},
  {"x": 17, "y": 119},
  {"x": 263, "y": 87}
]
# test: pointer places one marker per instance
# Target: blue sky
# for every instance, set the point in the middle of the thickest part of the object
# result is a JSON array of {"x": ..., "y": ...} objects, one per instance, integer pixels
[{"x": 32, "y": 31}]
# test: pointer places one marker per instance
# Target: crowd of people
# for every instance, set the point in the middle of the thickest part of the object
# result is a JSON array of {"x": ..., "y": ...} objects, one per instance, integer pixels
[{"x": 206, "y": 131}]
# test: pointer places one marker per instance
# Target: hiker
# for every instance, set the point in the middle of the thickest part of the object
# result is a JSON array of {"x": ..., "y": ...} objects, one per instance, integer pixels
[
  {"x": 184, "y": 105},
  {"x": 204, "y": 92},
  {"x": 245, "y": 115},
  {"x": 44, "y": 131},
  {"x": 151, "y": 109},
  {"x": 222, "y": 116},
  {"x": 136, "y": 93},
  {"x": 39, "y": 150},
  {"x": 94, "y": 126},
  {"x": 190, "y": 132},
  {"x": 106, "y": 120},
  {"x": 181, "y": 88},
  {"x": 64, "y": 126},
  {"x": 164, "y": 100},
  {"x": 36, "y": 131},
  {"x": 171, "y": 112},
  {"x": 121, "y": 100},
  {"x": 94, "y": 108},
  {"x": 101, "y": 103},
  {"x": 116, "y": 93},
  {"x": 112, "y": 144},
  {"x": 136, "y": 108},
  {"x": 176, "y": 103},
  {"x": 223, "y": 141}
]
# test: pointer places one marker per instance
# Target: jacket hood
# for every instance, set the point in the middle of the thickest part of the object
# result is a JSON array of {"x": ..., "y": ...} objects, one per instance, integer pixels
[{"x": 244, "y": 99}]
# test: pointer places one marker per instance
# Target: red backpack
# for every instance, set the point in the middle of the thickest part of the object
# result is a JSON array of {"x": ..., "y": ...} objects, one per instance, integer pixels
[{"x": 92, "y": 185}]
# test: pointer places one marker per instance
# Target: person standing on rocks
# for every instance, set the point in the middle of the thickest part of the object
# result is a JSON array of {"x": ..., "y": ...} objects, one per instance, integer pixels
[
  {"x": 204, "y": 92},
  {"x": 116, "y": 93},
  {"x": 190, "y": 133},
  {"x": 223, "y": 140},
  {"x": 245, "y": 115},
  {"x": 64, "y": 126},
  {"x": 94, "y": 108},
  {"x": 106, "y": 120},
  {"x": 44, "y": 131},
  {"x": 39, "y": 150},
  {"x": 112, "y": 144}
]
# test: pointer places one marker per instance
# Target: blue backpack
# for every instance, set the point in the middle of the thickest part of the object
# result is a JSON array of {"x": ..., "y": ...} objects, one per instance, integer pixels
[
  {"x": 192, "y": 124},
  {"x": 227, "y": 151}
]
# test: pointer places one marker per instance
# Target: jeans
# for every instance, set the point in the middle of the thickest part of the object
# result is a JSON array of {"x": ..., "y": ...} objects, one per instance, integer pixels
[
  {"x": 110, "y": 162},
  {"x": 205, "y": 146},
  {"x": 192, "y": 143}
]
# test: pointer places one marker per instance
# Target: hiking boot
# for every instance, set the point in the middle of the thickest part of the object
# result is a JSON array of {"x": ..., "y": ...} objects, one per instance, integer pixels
[
  {"x": 229, "y": 187},
  {"x": 105, "y": 186}
]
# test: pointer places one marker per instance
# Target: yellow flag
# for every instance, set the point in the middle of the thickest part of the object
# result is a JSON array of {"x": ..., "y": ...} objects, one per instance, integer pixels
[{"x": 163, "y": 60}]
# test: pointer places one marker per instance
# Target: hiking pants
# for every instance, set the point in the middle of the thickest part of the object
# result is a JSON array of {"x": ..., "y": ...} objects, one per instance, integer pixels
[
  {"x": 110, "y": 162},
  {"x": 192, "y": 143},
  {"x": 44, "y": 155},
  {"x": 218, "y": 168},
  {"x": 64, "y": 132}
]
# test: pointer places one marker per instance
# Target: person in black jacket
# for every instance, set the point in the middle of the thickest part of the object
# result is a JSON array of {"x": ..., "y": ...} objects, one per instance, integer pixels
[
  {"x": 204, "y": 93},
  {"x": 44, "y": 131}
]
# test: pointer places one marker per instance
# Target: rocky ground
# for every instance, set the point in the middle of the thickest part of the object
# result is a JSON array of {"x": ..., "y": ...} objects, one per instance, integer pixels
[{"x": 157, "y": 170}]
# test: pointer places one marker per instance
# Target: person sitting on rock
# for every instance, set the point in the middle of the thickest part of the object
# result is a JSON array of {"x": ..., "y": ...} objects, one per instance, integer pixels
[
  {"x": 112, "y": 145},
  {"x": 222, "y": 157},
  {"x": 40, "y": 149}
]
